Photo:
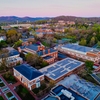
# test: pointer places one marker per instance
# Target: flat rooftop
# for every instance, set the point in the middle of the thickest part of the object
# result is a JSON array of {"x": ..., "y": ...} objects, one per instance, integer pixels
[
  {"x": 79, "y": 48},
  {"x": 47, "y": 57},
  {"x": 61, "y": 55},
  {"x": 61, "y": 68},
  {"x": 67, "y": 95},
  {"x": 81, "y": 86},
  {"x": 49, "y": 97}
]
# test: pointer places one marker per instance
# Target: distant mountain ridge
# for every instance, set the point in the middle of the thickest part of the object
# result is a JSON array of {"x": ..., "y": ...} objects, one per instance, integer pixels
[
  {"x": 11, "y": 19},
  {"x": 20, "y": 19},
  {"x": 78, "y": 19}
]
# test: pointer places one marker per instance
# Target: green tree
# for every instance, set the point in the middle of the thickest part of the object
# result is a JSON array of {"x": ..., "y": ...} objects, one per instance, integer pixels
[
  {"x": 2, "y": 44},
  {"x": 33, "y": 59},
  {"x": 18, "y": 43},
  {"x": 92, "y": 41},
  {"x": 89, "y": 66},
  {"x": 98, "y": 44},
  {"x": 44, "y": 63},
  {"x": 82, "y": 42}
]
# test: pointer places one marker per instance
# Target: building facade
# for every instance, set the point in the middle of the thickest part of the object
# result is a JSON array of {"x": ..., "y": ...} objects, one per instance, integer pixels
[
  {"x": 28, "y": 76},
  {"x": 49, "y": 55},
  {"x": 83, "y": 52}
]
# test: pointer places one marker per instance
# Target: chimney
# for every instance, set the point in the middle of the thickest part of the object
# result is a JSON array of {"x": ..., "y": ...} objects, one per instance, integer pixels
[
  {"x": 27, "y": 43},
  {"x": 19, "y": 49},
  {"x": 30, "y": 43}
]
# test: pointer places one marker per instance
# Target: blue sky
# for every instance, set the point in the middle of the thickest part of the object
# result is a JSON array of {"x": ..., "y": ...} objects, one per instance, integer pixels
[{"x": 45, "y": 8}]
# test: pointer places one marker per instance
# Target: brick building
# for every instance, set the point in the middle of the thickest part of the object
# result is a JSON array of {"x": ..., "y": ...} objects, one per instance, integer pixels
[
  {"x": 62, "y": 69},
  {"x": 49, "y": 55},
  {"x": 12, "y": 58},
  {"x": 29, "y": 76},
  {"x": 83, "y": 52}
]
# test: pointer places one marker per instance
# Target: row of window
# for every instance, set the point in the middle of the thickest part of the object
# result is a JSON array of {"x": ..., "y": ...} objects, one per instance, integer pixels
[{"x": 81, "y": 56}]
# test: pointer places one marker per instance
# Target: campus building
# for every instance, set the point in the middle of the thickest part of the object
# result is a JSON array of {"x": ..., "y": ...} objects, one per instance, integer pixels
[
  {"x": 62, "y": 69},
  {"x": 64, "y": 93},
  {"x": 12, "y": 58},
  {"x": 49, "y": 55},
  {"x": 83, "y": 52},
  {"x": 29, "y": 76}
]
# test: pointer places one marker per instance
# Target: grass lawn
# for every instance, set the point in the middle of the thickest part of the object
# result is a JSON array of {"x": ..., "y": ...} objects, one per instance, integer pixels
[
  {"x": 24, "y": 93},
  {"x": 9, "y": 78},
  {"x": 1, "y": 98},
  {"x": 9, "y": 94},
  {"x": 42, "y": 87},
  {"x": 2, "y": 84}
]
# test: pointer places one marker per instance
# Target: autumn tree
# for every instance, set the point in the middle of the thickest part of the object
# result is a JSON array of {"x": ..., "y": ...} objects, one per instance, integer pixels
[{"x": 13, "y": 36}]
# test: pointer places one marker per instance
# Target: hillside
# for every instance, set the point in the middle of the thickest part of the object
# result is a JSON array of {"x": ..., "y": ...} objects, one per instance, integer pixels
[
  {"x": 78, "y": 19},
  {"x": 20, "y": 19}
]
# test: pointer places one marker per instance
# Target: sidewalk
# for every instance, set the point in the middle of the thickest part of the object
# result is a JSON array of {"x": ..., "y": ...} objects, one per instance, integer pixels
[{"x": 11, "y": 87}]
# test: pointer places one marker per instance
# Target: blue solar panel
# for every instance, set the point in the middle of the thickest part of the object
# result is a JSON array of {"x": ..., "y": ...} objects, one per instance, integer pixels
[
  {"x": 50, "y": 69},
  {"x": 62, "y": 67},
  {"x": 56, "y": 66},
  {"x": 58, "y": 71},
  {"x": 78, "y": 47},
  {"x": 28, "y": 71}
]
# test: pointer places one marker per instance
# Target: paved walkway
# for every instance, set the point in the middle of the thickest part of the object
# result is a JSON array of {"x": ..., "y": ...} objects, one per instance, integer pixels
[
  {"x": 11, "y": 89},
  {"x": 12, "y": 86},
  {"x": 19, "y": 83}
]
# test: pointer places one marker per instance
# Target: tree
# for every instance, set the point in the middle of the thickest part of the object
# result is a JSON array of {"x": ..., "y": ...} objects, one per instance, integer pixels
[
  {"x": 89, "y": 66},
  {"x": 13, "y": 36},
  {"x": 2, "y": 44},
  {"x": 92, "y": 41},
  {"x": 18, "y": 43},
  {"x": 98, "y": 44},
  {"x": 33, "y": 59},
  {"x": 4, "y": 55},
  {"x": 44, "y": 63},
  {"x": 82, "y": 42},
  {"x": 3, "y": 64}
]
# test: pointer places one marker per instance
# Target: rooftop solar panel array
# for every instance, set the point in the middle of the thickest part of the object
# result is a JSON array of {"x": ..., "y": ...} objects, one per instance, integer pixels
[
  {"x": 78, "y": 47},
  {"x": 61, "y": 68}
]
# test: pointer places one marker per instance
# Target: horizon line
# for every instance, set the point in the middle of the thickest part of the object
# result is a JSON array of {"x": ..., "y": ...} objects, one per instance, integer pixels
[{"x": 49, "y": 16}]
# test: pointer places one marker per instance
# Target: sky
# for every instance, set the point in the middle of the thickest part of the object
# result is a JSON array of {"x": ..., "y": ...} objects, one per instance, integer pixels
[{"x": 50, "y": 8}]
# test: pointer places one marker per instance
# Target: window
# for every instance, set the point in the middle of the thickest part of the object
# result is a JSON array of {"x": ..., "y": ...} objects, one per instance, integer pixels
[{"x": 38, "y": 83}]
